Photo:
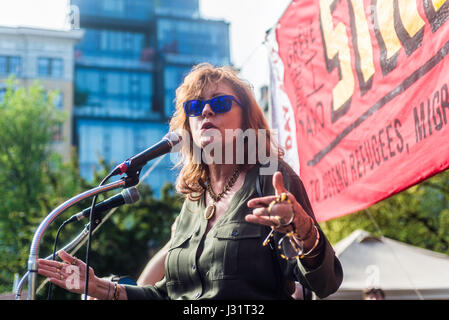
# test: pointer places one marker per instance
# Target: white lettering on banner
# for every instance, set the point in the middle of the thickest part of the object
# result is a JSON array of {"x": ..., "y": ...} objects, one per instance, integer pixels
[{"x": 283, "y": 117}]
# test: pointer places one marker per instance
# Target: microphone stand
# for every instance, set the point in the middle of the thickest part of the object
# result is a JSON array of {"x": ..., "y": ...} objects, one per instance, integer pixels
[
  {"x": 72, "y": 245},
  {"x": 131, "y": 180},
  {"x": 34, "y": 250},
  {"x": 78, "y": 239}
]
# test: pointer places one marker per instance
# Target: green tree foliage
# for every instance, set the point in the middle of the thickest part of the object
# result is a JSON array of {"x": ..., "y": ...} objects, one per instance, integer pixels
[
  {"x": 34, "y": 180},
  {"x": 28, "y": 119},
  {"x": 125, "y": 242},
  {"x": 418, "y": 216},
  {"x": 128, "y": 237}
]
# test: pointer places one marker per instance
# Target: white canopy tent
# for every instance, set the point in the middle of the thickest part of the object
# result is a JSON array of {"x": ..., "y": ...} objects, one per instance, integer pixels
[{"x": 402, "y": 271}]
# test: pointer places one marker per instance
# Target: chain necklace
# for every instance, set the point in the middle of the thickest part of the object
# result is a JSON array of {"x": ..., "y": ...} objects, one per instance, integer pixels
[{"x": 210, "y": 210}]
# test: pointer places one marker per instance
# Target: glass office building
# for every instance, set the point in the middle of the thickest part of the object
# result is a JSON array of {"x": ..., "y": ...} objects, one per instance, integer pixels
[
  {"x": 183, "y": 42},
  {"x": 133, "y": 56}
]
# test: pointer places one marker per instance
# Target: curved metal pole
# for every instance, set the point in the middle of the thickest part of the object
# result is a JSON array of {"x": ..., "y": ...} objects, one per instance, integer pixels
[
  {"x": 34, "y": 251},
  {"x": 68, "y": 247},
  {"x": 78, "y": 239}
]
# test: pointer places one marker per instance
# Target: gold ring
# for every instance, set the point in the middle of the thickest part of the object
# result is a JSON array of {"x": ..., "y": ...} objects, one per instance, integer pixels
[
  {"x": 278, "y": 220},
  {"x": 283, "y": 197},
  {"x": 284, "y": 224},
  {"x": 270, "y": 206}
]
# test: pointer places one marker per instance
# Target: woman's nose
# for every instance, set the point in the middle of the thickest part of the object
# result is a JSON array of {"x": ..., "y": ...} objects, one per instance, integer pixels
[{"x": 207, "y": 111}]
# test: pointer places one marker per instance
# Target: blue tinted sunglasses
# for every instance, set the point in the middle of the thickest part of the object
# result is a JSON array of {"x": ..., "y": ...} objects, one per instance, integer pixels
[{"x": 220, "y": 104}]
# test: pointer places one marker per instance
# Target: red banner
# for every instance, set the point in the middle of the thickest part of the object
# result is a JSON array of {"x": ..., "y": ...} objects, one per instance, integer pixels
[{"x": 364, "y": 84}]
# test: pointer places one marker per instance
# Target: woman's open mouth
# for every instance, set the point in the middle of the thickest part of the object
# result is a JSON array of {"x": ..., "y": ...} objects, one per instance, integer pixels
[{"x": 207, "y": 125}]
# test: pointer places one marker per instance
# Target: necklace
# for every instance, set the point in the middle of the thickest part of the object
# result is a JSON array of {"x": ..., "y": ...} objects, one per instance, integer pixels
[{"x": 210, "y": 210}]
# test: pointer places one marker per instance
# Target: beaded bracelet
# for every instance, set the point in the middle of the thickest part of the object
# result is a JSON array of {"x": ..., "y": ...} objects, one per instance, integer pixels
[
  {"x": 116, "y": 295},
  {"x": 306, "y": 255}
]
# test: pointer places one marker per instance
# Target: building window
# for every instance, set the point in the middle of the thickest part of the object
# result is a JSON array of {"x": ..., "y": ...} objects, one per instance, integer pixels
[
  {"x": 57, "y": 133},
  {"x": 139, "y": 141},
  {"x": 196, "y": 41},
  {"x": 2, "y": 93},
  {"x": 124, "y": 91},
  {"x": 50, "y": 67},
  {"x": 10, "y": 65},
  {"x": 186, "y": 8},
  {"x": 173, "y": 77},
  {"x": 107, "y": 141},
  {"x": 58, "y": 101},
  {"x": 125, "y": 43},
  {"x": 113, "y": 5}
]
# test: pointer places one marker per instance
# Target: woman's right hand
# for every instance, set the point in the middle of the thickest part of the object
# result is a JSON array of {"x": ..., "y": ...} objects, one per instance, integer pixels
[{"x": 70, "y": 275}]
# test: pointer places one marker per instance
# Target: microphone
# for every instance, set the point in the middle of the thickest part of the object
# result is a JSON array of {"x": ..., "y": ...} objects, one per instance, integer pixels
[
  {"x": 127, "y": 196},
  {"x": 138, "y": 161}
]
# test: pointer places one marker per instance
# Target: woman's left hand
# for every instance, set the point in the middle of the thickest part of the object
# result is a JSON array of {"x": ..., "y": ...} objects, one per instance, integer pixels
[{"x": 282, "y": 214}]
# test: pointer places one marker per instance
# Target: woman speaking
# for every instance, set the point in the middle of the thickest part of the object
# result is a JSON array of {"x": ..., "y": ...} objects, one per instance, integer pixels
[{"x": 246, "y": 229}]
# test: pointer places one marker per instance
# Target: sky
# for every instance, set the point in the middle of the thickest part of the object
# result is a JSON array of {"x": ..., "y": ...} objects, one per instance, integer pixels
[{"x": 249, "y": 19}]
